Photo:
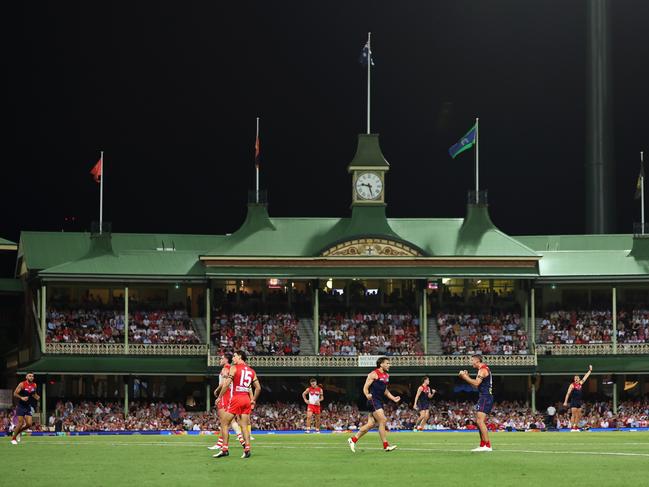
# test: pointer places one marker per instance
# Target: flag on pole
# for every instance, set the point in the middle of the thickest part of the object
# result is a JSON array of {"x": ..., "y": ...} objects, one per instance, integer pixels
[
  {"x": 257, "y": 152},
  {"x": 366, "y": 54},
  {"x": 96, "y": 171},
  {"x": 638, "y": 185},
  {"x": 465, "y": 143}
]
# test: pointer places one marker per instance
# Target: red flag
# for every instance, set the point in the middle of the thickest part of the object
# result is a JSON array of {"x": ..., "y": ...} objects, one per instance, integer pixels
[
  {"x": 96, "y": 171},
  {"x": 257, "y": 152}
]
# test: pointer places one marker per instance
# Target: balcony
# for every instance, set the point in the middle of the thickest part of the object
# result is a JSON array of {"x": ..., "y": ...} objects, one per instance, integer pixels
[{"x": 123, "y": 349}]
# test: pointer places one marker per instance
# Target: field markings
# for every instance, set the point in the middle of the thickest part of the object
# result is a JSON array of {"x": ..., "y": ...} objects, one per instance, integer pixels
[{"x": 341, "y": 447}]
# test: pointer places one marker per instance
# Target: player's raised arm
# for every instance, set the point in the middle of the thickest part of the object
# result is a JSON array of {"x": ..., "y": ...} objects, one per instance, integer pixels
[
  {"x": 474, "y": 382},
  {"x": 565, "y": 401},
  {"x": 590, "y": 370},
  {"x": 419, "y": 389},
  {"x": 371, "y": 377}
]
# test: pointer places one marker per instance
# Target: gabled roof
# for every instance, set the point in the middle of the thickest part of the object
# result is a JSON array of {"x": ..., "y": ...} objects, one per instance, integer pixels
[
  {"x": 44, "y": 250},
  {"x": 7, "y": 244}
]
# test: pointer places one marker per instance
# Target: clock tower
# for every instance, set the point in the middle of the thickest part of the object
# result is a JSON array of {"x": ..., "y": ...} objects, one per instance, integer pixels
[{"x": 368, "y": 170}]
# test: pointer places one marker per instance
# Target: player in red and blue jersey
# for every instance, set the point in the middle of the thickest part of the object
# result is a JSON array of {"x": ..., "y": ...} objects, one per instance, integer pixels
[
  {"x": 484, "y": 383},
  {"x": 27, "y": 395},
  {"x": 313, "y": 408},
  {"x": 241, "y": 377},
  {"x": 422, "y": 403},
  {"x": 576, "y": 399},
  {"x": 376, "y": 390}
]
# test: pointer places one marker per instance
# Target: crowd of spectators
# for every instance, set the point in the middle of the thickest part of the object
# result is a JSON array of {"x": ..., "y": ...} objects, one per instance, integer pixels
[
  {"x": 98, "y": 325},
  {"x": 259, "y": 334},
  {"x": 370, "y": 334},
  {"x": 486, "y": 333},
  {"x": 594, "y": 326},
  {"x": 445, "y": 415}
]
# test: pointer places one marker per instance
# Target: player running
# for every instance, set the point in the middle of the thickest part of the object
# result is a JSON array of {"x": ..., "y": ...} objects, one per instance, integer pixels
[
  {"x": 422, "y": 404},
  {"x": 484, "y": 383},
  {"x": 375, "y": 390},
  {"x": 240, "y": 377},
  {"x": 576, "y": 399},
  {"x": 27, "y": 397},
  {"x": 222, "y": 406},
  {"x": 316, "y": 396}
]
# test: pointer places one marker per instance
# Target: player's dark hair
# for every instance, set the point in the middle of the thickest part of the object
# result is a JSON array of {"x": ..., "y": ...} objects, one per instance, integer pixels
[
  {"x": 425, "y": 378},
  {"x": 478, "y": 356},
  {"x": 228, "y": 357},
  {"x": 243, "y": 355},
  {"x": 313, "y": 380},
  {"x": 381, "y": 360}
]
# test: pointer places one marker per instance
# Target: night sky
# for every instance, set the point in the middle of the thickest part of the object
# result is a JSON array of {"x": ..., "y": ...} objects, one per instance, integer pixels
[{"x": 170, "y": 91}]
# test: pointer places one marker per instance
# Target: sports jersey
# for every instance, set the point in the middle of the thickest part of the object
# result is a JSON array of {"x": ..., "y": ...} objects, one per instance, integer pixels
[
  {"x": 486, "y": 386},
  {"x": 378, "y": 387},
  {"x": 243, "y": 377},
  {"x": 28, "y": 389},
  {"x": 424, "y": 401},
  {"x": 576, "y": 398},
  {"x": 314, "y": 395}
]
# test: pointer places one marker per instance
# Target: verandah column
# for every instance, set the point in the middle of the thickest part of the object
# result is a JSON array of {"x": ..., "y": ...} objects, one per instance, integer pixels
[
  {"x": 533, "y": 319},
  {"x": 126, "y": 384},
  {"x": 44, "y": 403},
  {"x": 126, "y": 319},
  {"x": 316, "y": 317},
  {"x": 43, "y": 316},
  {"x": 614, "y": 313},
  {"x": 424, "y": 316},
  {"x": 208, "y": 322}
]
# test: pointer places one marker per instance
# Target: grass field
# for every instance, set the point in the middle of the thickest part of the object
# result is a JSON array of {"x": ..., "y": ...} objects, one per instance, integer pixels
[{"x": 441, "y": 459}]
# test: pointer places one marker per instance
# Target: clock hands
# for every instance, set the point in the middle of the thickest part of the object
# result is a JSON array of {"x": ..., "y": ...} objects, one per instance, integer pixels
[{"x": 369, "y": 186}]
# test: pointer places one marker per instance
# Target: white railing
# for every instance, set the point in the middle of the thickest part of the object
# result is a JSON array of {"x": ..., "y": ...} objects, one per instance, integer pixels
[
  {"x": 396, "y": 361},
  {"x": 121, "y": 349},
  {"x": 593, "y": 349}
]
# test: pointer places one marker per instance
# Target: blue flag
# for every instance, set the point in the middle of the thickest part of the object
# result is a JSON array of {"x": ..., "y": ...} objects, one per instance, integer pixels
[
  {"x": 366, "y": 54},
  {"x": 464, "y": 143}
]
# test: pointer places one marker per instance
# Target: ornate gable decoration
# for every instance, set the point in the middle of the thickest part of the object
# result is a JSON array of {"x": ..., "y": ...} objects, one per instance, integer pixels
[{"x": 371, "y": 247}]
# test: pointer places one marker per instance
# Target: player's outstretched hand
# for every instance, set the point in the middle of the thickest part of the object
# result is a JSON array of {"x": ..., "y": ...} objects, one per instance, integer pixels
[
  {"x": 590, "y": 368},
  {"x": 397, "y": 398}
]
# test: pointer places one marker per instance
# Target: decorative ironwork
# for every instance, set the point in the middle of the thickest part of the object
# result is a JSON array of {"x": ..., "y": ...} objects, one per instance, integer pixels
[
  {"x": 397, "y": 361},
  {"x": 593, "y": 349},
  {"x": 120, "y": 349},
  {"x": 371, "y": 247}
]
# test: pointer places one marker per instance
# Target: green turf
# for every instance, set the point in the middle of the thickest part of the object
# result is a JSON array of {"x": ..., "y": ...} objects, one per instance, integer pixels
[{"x": 440, "y": 459}]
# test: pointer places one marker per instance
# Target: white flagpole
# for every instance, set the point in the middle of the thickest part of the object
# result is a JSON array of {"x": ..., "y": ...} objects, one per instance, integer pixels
[
  {"x": 257, "y": 166},
  {"x": 642, "y": 193},
  {"x": 369, "y": 70},
  {"x": 101, "y": 195},
  {"x": 477, "y": 160}
]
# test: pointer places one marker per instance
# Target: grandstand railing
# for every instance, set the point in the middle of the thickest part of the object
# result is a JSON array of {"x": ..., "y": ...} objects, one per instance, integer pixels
[
  {"x": 593, "y": 349},
  {"x": 369, "y": 361},
  {"x": 122, "y": 349}
]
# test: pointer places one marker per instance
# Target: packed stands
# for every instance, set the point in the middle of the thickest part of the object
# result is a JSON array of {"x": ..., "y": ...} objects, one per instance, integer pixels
[
  {"x": 499, "y": 333},
  {"x": 445, "y": 415},
  {"x": 594, "y": 326},
  {"x": 259, "y": 334},
  {"x": 370, "y": 334},
  {"x": 96, "y": 325}
]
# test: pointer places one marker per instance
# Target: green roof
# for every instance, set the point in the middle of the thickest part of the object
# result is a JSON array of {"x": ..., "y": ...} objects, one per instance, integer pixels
[
  {"x": 80, "y": 364},
  {"x": 7, "y": 244}
]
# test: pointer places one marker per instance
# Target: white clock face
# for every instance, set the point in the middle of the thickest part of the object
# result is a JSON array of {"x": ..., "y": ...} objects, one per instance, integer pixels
[{"x": 369, "y": 186}]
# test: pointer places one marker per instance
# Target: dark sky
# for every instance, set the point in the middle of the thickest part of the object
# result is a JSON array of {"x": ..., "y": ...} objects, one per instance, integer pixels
[{"x": 170, "y": 91}]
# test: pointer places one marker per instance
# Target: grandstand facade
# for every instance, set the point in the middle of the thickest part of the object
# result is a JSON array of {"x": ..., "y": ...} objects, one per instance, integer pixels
[{"x": 323, "y": 296}]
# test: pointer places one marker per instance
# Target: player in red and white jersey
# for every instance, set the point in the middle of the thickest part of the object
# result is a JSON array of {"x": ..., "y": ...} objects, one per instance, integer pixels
[
  {"x": 316, "y": 396},
  {"x": 241, "y": 377},
  {"x": 222, "y": 405}
]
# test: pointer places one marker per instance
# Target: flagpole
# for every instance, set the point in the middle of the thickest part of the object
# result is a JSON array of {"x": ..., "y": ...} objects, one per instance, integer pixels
[
  {"x": 101, "y": 194},
  {"x": 642, "y": 193},
  {"x": 369, "y": 70},
  {"x": 477, "y": 159},
  {"x": 257, "y": 165}
]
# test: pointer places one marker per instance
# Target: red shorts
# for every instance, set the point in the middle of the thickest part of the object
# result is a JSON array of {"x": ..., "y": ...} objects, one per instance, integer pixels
[
  {"x": 240, "y": 404},
  {"x": 224, "y": 403},
  {"x": 314, "y": 408}
]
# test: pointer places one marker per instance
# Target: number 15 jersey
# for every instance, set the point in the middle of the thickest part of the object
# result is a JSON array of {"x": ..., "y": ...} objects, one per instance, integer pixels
[{"x": 243, "y": 378}]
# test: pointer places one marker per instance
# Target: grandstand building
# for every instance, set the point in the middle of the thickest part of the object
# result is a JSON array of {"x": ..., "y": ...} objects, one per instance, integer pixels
[{"x": 322, "y": 296}]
